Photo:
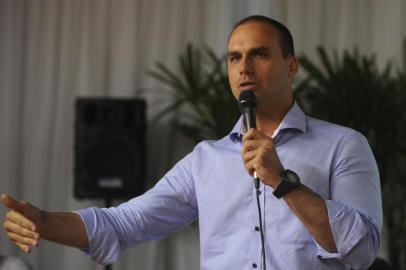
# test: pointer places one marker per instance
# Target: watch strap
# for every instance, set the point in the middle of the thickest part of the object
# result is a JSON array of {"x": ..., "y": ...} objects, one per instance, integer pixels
[{"x": 286, "y": 185}]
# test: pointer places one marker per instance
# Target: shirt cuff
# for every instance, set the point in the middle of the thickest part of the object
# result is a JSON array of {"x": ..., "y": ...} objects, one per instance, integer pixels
[
  {"x": 324, "y": 254},
  {"x": 104, "y": 246},
  {"x": 348, "y": 229}
]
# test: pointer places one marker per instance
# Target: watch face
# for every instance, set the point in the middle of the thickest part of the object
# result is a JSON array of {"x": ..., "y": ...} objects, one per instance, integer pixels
[{"x": 292, "y": 177}]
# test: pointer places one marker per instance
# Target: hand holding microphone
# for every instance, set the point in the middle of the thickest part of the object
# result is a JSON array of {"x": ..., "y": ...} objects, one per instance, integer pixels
[
  {"x": 248, "y": 106},
  {"x": 259, "y": 153}
]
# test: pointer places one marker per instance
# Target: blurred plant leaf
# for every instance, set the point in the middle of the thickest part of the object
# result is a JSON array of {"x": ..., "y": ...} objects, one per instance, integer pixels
[{"x": 202, "y": 95}]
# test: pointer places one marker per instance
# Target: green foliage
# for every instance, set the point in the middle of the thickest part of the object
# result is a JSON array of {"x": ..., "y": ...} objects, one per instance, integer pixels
[
  {"x": 351, "y": 90},
  {"x": 202, "y": 94}
]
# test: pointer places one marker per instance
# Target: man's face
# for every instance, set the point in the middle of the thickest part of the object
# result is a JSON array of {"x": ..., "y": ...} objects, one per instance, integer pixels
[{"x": 255, "y": 62}]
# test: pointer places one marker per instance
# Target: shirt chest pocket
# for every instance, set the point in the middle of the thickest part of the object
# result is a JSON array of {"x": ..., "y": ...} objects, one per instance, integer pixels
[{"x": 290, "y": 230}]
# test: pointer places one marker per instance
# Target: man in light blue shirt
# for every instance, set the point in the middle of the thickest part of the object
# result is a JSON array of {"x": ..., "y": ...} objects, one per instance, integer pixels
[{"x": 319, "y": 193}]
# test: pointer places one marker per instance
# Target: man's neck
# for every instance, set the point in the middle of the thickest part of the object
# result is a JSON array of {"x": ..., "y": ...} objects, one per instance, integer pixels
[{"x": 269, "y": 120}]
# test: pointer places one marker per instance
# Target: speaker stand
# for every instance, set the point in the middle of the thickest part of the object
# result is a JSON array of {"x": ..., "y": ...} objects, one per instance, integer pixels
[{"x": 108, "y": 202}]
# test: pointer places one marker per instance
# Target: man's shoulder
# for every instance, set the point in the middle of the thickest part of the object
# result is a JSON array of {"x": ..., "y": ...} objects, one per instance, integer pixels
[
  {"x": 221, "y": 146},
  {"x": 325, "y": 128}
]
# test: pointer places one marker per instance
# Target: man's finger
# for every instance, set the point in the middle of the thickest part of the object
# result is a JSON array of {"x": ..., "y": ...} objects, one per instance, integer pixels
[
  {"x": 21, "y": 239},
  {"x": 249, "y": 155},
  {"x": 249, "y": 146},
  {"x": 12, "y": 203},
  {"x": 15, "y": 228},
  {"x": 249, "y": 135},
  {"x": 20, "y": 220}
]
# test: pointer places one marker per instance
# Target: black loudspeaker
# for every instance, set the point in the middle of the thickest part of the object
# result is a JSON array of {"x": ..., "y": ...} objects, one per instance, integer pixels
[{"x": 109, "y": 148}]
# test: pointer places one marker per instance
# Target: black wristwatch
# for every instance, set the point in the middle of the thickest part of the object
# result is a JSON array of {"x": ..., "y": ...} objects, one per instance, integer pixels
[{"x": 290, "y": 181}]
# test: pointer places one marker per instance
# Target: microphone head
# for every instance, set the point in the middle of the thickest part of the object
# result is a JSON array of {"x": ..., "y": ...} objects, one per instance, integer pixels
[{"x": 247, "y": 99}]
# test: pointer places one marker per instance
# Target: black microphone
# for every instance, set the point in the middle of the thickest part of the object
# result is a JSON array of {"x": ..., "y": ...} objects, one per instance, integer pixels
[{"x": 247, "y": 102}]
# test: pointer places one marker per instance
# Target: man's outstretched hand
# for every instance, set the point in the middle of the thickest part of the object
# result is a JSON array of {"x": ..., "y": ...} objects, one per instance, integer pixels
[{"x": 23, "y": 223}]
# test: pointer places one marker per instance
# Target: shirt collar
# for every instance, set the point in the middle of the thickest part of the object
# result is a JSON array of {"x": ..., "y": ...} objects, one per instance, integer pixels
[{"x": 294, "y": 119}]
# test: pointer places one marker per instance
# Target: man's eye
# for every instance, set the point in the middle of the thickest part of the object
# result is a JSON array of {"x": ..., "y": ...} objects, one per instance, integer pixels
[
  {"x": 260, "y": 55},
  {"x": 234, "y": 58}
]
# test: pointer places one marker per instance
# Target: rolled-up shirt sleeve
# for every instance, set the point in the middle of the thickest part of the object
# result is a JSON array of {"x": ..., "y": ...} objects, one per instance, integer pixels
[
  {"x": 166, "y": 208},
  {"x": 355, "y": 207}
]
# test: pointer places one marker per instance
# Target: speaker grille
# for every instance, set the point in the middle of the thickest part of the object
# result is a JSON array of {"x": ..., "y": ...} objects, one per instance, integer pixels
[{"x": 109, "y": 148}]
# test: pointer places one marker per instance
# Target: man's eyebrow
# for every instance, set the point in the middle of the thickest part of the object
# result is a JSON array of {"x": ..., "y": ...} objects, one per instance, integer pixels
[
  {"x": 233, "y": 53},
  {"x": 260, "y": 49},
  {"x": 252, "y": 50}
]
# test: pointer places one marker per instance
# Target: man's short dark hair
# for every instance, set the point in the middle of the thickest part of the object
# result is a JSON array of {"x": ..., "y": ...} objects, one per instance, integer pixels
[{"x": 285, "y": 37}]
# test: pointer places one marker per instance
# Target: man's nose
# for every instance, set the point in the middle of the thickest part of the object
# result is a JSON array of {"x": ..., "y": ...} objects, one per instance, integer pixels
[{"x": 246, "y": 66}]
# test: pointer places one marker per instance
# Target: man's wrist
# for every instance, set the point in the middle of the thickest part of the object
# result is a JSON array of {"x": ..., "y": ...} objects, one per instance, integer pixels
[
  {"x": 289, "y": 181},
  {"x": 277, "y": 181}
]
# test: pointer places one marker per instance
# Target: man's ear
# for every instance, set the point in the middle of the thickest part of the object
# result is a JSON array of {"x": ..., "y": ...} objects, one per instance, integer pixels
[{"x": 293, "y": 66}]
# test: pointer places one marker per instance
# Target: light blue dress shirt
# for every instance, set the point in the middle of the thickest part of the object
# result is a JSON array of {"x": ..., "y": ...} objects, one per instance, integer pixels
[{"x": 212, "y": 184}]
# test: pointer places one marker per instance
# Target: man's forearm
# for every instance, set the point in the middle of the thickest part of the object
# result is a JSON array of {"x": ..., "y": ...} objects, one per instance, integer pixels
[
  {"x": 311, "y": 209},
  {"x": 64, "y": 228}
]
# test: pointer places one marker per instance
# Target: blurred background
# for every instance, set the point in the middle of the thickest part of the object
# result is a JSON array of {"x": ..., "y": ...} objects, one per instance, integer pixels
[{"x": 54, "y": 51}]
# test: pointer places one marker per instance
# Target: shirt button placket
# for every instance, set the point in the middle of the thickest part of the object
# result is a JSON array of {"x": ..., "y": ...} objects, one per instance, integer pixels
[{"x": 255, "y": 226}]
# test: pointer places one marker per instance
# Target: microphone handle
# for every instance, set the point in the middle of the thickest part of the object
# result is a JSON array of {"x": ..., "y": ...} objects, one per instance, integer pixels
[
  {"x": 256, "y": 180},
  {"x": 250, "y": 122},
  {"x": 249, "y": 117}
]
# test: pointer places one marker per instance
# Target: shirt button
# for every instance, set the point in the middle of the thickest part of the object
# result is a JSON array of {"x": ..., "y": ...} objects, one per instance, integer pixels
[
  {"x": 254, "y": 265},
  {"x": 257, "y": 228}
]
